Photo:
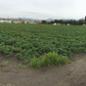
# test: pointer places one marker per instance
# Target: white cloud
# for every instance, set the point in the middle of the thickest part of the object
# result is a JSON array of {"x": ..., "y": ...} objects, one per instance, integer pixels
[{"x": 43, "y": 8}]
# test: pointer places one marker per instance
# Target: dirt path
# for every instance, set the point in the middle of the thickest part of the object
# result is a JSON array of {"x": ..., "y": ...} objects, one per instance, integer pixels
[{"x": 73, "y": 74}]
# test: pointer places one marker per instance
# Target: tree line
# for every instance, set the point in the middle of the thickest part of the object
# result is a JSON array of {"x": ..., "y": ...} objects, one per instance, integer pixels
[{"x": 63, "y": 21}]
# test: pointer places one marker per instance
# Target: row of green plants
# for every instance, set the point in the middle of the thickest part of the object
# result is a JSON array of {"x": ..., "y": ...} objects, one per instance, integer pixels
[{"x": 29, "y": 41}]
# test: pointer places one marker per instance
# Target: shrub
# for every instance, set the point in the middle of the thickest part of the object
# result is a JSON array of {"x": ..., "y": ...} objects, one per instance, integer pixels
[
  {"x": 36, "y": 62},
  {"x": 48, "y": 59}
]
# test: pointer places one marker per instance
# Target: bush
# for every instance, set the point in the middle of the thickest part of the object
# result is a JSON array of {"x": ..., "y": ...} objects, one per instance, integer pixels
[
  {"x": 36, "y": 62},
  {"x": 50, "y": 58}
]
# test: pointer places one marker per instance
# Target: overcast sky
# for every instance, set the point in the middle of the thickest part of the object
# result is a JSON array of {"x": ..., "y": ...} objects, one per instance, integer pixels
[{"x": 43, "y": 8}]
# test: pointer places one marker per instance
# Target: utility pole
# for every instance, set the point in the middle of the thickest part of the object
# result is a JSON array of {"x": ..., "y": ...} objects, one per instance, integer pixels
[{"x": 85, "y": 20}]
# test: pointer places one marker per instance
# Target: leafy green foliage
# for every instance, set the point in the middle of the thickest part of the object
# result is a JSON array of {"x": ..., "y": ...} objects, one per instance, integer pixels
[
  {"x": 48, "y": 59},
  {"x": 28, "y": 41}
]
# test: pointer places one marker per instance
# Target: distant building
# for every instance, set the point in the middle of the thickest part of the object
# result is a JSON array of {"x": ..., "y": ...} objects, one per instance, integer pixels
[
  {"x": 54, "y": 24},
  {"x": 19, "y": 21},
  {"x": 5, "y": 21},
  {"x": 68, "y": 24},
  {"x": 16, "y": 21}
]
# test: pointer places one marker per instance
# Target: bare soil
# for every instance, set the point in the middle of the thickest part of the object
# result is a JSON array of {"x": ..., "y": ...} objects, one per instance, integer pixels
[{"x": 73, "y": 74}]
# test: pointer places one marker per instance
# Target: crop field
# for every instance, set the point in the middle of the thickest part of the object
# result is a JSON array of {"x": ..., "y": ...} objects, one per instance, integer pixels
[{"x": 38, "y": 41}]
